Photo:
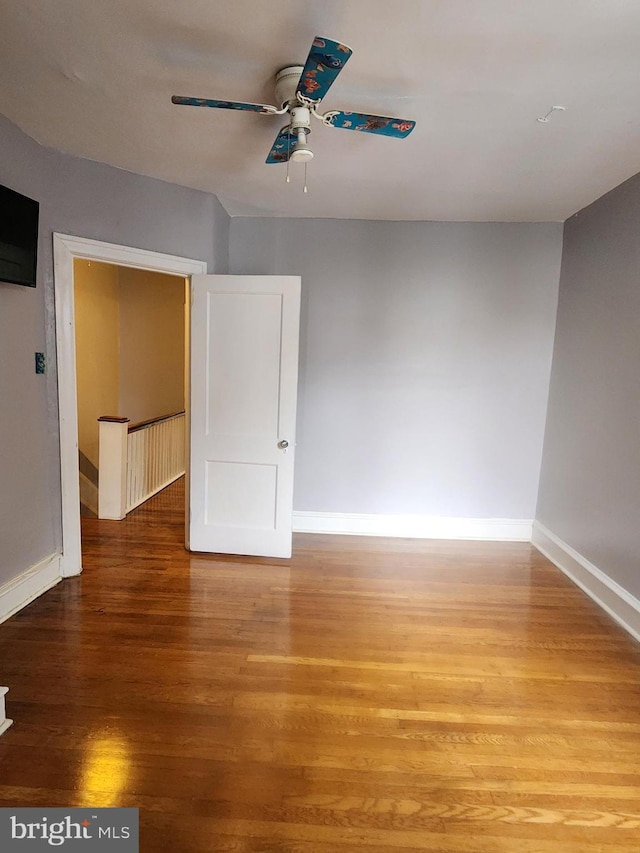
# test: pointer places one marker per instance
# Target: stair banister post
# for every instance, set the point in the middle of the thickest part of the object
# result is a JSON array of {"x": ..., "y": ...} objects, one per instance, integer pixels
[{"x": 112, "y": 467}]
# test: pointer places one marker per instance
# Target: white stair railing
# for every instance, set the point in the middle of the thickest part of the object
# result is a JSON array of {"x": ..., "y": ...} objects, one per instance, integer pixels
[
  {"x": 137, "y": 461},
  {"x": 155, "y": 457}
]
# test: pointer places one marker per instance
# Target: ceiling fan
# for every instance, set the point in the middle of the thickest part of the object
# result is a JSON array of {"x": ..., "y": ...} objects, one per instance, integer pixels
[{"x": 299, "y": 91}]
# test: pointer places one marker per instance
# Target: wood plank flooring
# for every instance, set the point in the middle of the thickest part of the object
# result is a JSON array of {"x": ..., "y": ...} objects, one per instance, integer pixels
[{"x": 369, "y": 695}]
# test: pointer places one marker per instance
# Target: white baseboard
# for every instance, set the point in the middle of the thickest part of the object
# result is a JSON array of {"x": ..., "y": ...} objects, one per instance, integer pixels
[
  {"x": 4, "y": 722},
  {"x": 617, "y": 601},
  {"x": 413, "y": 526},
  {"x": 20, "y": 591}
]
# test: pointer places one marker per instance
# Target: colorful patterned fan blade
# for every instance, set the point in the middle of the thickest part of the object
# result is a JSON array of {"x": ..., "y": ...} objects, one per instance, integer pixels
[
  {"x": 382, "y": 125},
  {"x": 220, "y": 105},
  {"x": 326, "y": 60},
  {"x": 282, "y": 147}
]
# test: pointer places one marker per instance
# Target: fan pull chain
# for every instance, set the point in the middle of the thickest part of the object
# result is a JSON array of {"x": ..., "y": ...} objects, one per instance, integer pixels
[
  {"x": 288, "y": 156},
  {"x": 305, "y": 178}
]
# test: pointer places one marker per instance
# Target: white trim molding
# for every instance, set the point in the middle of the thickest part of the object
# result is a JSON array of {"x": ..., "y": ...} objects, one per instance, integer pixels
[
  {"x": 4, "y": 722},
  {"x": 414, "y": 526},
  {"x": 22, "y": 590},
  {"x": 609, "y": 595},
  {"x": 65, "y": 250}
]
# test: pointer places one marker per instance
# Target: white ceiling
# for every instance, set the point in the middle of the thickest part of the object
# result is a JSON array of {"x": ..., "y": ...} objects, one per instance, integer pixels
[{"x": 95, "y": 79}]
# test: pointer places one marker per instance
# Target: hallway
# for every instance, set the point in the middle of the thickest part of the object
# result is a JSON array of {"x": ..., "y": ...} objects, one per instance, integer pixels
[{"x": 370, "y": 695}]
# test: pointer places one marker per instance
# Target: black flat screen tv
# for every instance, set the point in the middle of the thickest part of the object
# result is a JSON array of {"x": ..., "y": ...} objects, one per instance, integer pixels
[{"x": 18, "y": 238}]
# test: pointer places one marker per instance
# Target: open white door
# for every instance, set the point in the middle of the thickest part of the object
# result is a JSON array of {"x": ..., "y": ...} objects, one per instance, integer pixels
[{"x": 244, "y": 373}]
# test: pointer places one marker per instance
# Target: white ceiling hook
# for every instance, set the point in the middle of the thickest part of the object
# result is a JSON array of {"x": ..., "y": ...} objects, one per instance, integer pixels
[{"x": 545, "y": 118}]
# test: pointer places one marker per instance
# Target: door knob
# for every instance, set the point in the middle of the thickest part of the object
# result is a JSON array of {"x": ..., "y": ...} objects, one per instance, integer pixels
[{"x": 283, "y": 444}]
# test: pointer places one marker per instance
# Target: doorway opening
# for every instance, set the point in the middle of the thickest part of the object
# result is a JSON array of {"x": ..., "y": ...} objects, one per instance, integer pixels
[
  {"x": 67, "y": 250},
  {"x": 131, "y": 333}
]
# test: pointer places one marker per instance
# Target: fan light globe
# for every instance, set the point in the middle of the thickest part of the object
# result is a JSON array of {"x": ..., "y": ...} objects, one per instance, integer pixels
[{"x": 301, "y": 153}]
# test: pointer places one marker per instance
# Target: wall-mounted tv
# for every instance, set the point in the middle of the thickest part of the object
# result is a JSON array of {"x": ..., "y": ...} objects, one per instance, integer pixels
[{"x": 18, "y": 238}]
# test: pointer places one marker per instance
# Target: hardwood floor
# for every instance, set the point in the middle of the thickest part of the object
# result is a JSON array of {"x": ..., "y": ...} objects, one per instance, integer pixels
[{"x": 369, "y": 695}]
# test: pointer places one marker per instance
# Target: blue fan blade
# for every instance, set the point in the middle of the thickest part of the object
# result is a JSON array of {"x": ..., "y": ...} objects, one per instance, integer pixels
[
  {"x": 221, "y": 105},
  {"x": 326, "y": 60},
  {"x": 383, "y": 125},
  {"x": 282, "y": 147}
]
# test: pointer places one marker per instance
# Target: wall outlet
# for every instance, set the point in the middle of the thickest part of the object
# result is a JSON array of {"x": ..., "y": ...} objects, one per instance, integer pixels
[{"x": 40, "y": 362}]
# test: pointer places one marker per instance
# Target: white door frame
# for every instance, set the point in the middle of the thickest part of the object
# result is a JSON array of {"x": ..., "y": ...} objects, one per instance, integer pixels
[{"x": 65, "y": 250}]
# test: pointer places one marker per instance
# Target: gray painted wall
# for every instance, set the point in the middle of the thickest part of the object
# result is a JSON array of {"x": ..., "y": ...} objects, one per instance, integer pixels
[
  {"x": 425, "y": 360},
  {"x": 590, "y": 482},
  {"x": 85, "y": 199}
]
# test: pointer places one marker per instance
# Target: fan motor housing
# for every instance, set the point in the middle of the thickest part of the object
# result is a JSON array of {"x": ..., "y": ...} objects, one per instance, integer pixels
[
  {"x": 286, "y": 84},
  {"x": 300, "y": 119}
]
